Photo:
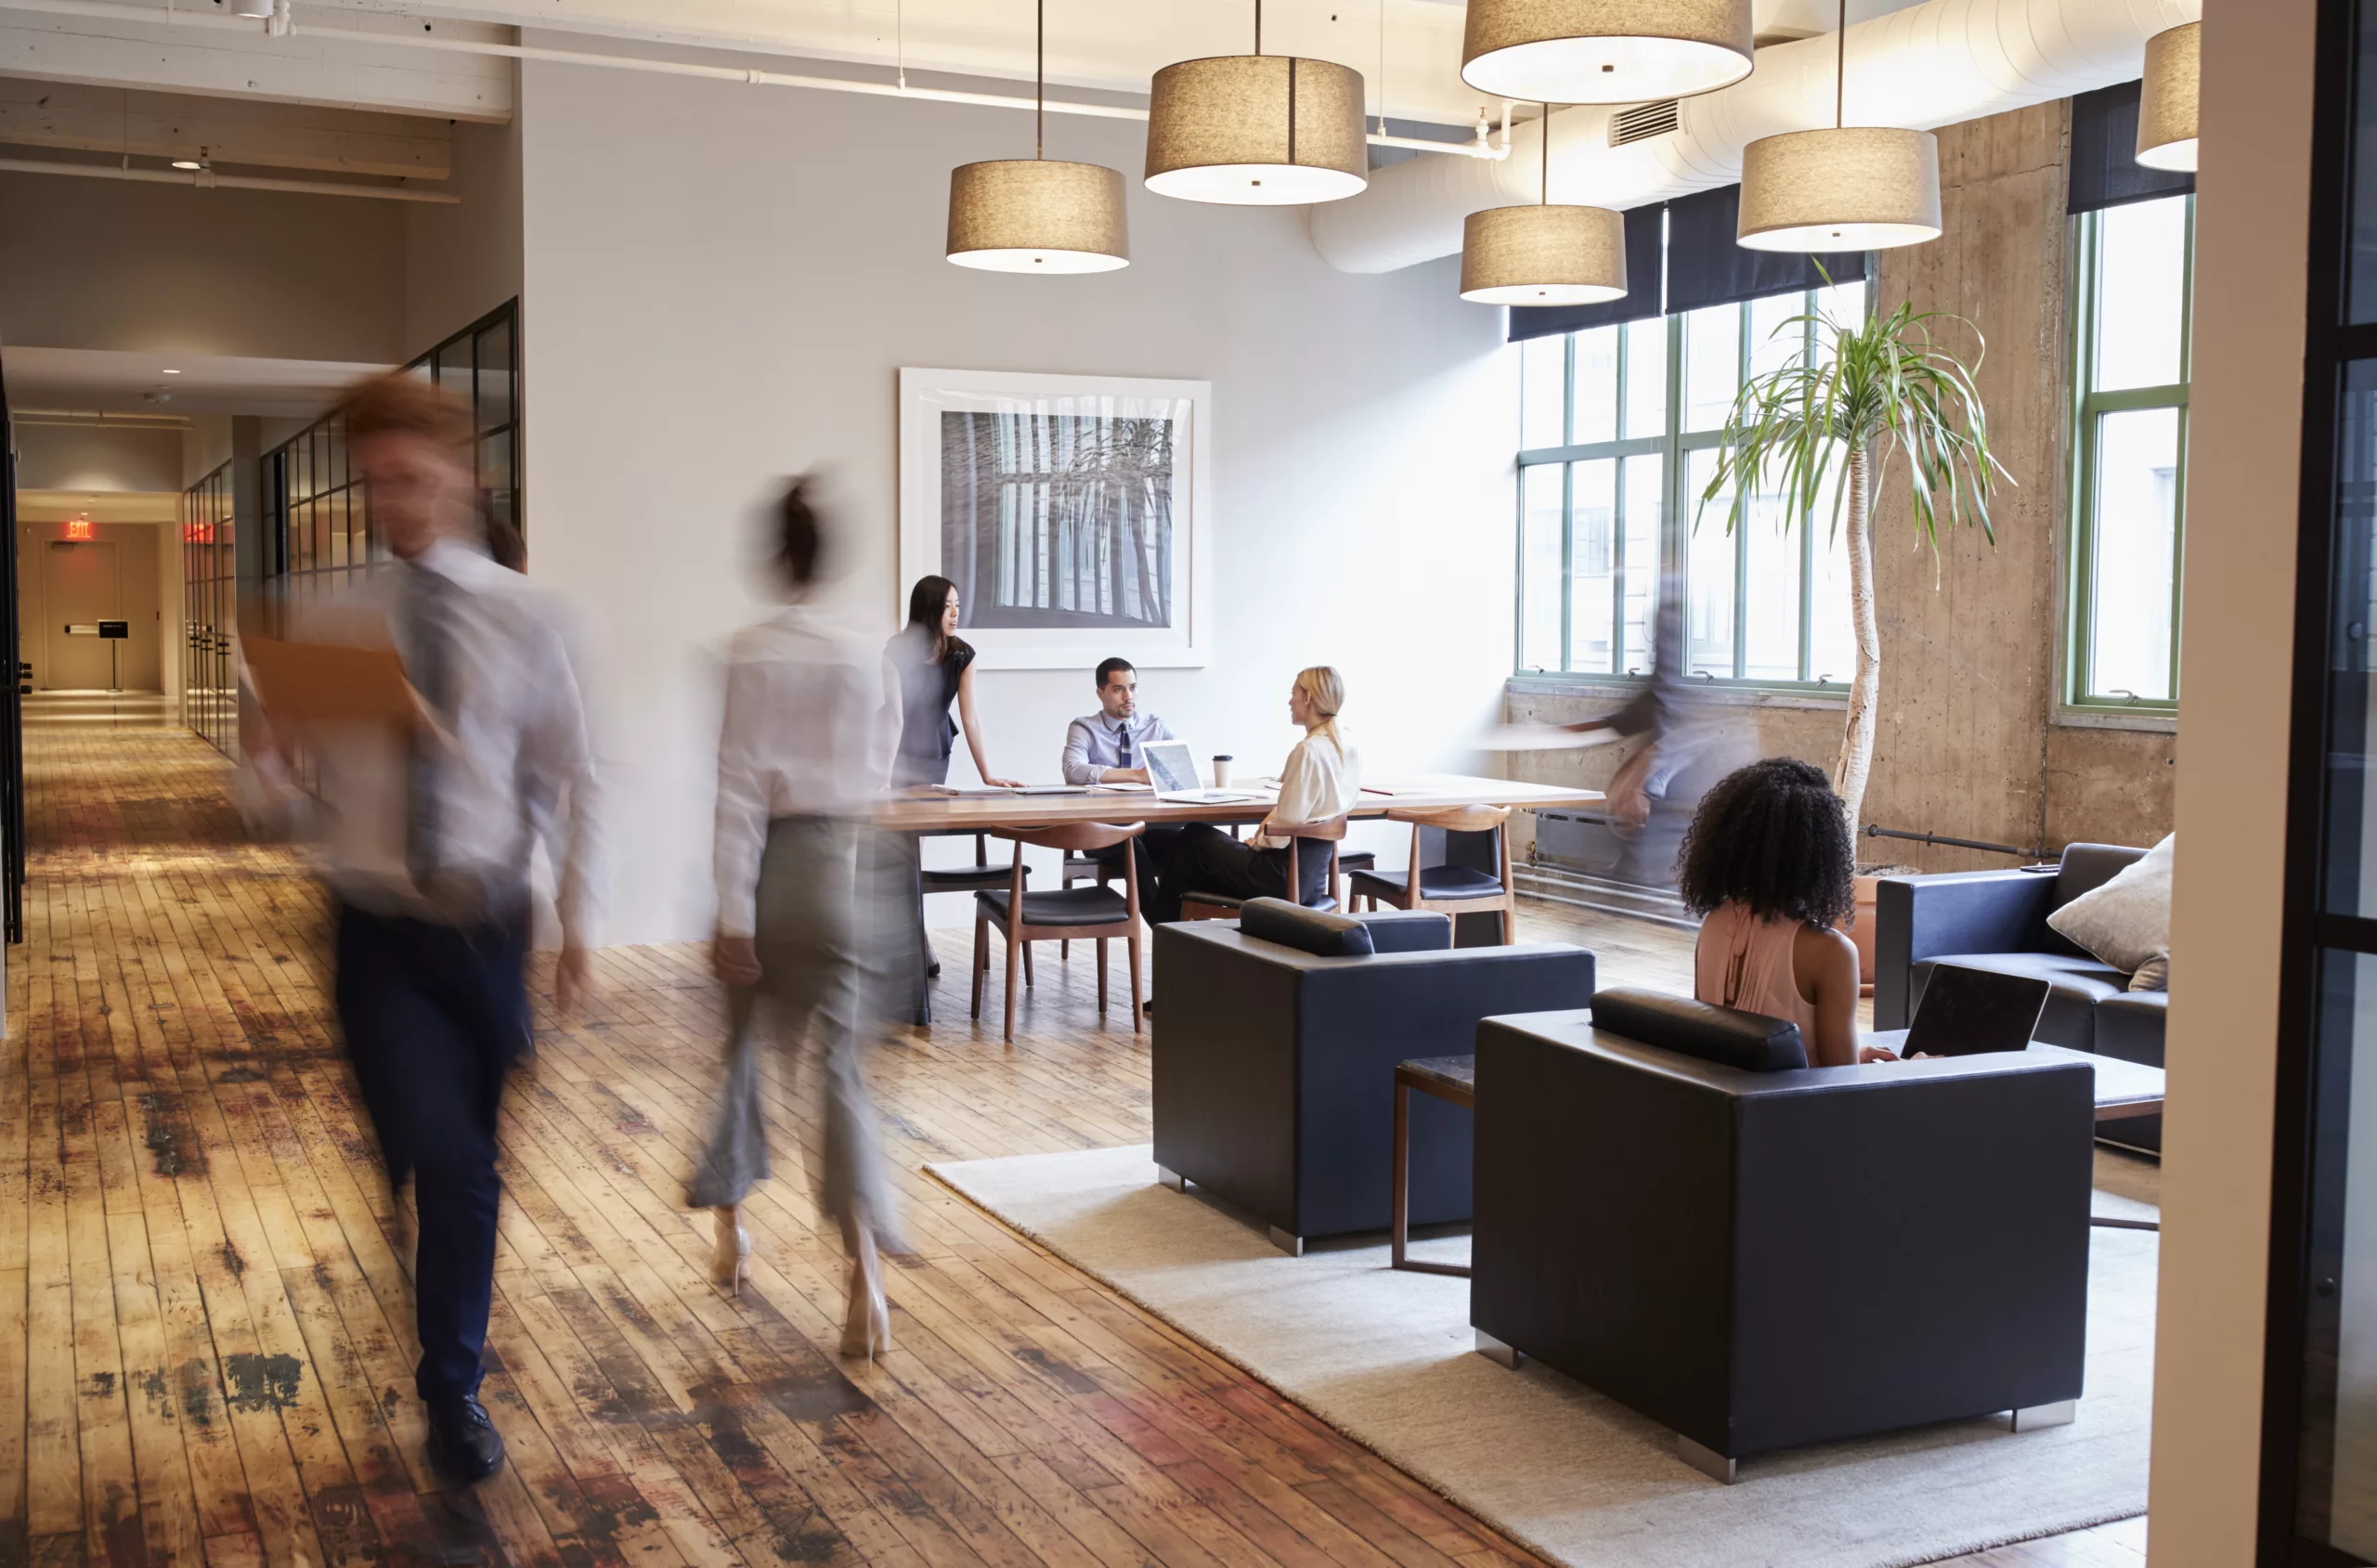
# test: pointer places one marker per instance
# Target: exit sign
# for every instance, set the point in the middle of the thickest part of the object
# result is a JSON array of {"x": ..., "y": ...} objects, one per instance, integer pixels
[{"x": 78, "y": 528}]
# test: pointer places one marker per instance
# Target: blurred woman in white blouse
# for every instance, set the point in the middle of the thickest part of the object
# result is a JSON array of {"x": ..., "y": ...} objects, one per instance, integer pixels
[{"x": 1321, "y": 782}]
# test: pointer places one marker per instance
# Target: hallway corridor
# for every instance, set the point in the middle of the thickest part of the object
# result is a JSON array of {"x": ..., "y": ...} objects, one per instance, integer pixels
[{"x": 190, "y": 1199}]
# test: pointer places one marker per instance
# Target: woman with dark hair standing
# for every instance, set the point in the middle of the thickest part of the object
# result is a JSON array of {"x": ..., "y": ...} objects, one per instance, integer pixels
[
  {"x": 932, "y": 667},
  {"x": 1768, "y": 866}
]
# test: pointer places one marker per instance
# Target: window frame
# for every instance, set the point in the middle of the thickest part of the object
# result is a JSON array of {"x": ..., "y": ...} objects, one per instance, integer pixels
[
  {"x": 2085, "y": 409},
  {"x": 1678, "y": 507}
]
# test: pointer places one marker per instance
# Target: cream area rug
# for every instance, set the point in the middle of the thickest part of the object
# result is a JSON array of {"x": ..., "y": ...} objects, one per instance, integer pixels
[{"x": 1387, "y": 1357}]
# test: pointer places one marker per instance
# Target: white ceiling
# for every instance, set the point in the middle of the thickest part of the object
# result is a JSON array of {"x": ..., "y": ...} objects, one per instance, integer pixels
[
  {"x": 1109, "y": 45},
  {"x": 113, "y": 382}
]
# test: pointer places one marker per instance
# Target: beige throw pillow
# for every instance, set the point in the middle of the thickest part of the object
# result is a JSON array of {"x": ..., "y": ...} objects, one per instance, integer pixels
[{"x": 2126, "y": 923}]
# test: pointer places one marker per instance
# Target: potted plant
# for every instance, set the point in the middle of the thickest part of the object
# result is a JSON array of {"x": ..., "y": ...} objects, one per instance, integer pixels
[{"x": 1860, "y": 394}]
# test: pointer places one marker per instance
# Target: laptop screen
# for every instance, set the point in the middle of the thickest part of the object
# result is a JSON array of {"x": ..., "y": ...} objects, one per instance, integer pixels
[
  {"x": 1171, "y": 765},
  {"x": 1966, "y": 1012}
]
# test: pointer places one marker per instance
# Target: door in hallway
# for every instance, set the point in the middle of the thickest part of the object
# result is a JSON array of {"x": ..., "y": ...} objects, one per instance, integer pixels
[{"x": 80, "y": 587}]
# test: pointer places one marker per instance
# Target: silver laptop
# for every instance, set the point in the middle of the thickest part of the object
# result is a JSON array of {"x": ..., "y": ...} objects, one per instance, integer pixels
[{"x": 1171, "y": 768}]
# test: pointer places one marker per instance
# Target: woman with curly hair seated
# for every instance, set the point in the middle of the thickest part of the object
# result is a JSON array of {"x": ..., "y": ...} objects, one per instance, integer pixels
[{"x": 1768, "y": 866}]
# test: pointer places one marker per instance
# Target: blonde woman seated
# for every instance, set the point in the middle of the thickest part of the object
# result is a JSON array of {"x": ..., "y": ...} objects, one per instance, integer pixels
[
  {"x": 1769, "y": 865},
  {"x": 1321, "y": 781}
]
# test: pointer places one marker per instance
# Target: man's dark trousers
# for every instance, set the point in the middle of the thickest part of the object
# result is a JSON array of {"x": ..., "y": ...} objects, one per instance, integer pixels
[{"x": 434, "y": 1017}]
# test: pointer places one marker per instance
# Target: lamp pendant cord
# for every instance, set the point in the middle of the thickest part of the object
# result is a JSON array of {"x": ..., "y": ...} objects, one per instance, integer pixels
[
  {"x": 1258, "y": 26},
  {"x": 1840, "y": 67},
  {"x": 1544, "y": 197},
  {"x": 1040, "y": 78}
]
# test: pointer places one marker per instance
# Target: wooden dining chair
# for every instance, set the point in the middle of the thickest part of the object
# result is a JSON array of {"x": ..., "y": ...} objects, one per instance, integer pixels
[
  {"x": 1088, "y": 914},
  {"x": 1222, "y": 906},
  {"x": 1449, "y": 890}
]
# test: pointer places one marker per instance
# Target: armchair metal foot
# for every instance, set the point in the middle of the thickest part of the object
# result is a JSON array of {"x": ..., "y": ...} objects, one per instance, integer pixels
[
  {"x": 2062, "y": 1413},
  {"x": 1292, "y": 1245},
  {"x": 1172, "y": 1179},
  {"x": 1708, "y": 1461},
  {"x": 1497, "y": 1351}
]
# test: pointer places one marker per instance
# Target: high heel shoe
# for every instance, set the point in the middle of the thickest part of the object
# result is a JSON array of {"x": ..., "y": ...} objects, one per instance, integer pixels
[
  {"x": 866, "y": 1327},
  {"x": 731, "y": 1260}
]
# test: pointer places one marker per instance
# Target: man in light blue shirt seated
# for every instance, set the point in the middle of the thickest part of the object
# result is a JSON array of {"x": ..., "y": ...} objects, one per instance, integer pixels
[{"x": 1109, "y": 747}]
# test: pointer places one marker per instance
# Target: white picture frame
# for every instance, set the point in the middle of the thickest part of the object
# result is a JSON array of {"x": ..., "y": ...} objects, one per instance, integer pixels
[{"x": 1100, "y": 547}]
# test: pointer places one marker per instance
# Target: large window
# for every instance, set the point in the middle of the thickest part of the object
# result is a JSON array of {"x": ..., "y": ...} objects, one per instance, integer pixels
[
  {"x": 1621, "y": 430},
  {"x": 2129, "y": 453}
]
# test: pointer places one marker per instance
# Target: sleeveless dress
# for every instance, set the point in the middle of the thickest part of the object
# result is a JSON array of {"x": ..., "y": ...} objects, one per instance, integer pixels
[
  {"x": 1745, "y": 962},
  {"x": 927, "y": 733}
]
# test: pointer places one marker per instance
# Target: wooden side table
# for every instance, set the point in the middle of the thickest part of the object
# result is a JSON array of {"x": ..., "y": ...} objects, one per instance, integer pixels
[{"x": 1454, "y": 1080}]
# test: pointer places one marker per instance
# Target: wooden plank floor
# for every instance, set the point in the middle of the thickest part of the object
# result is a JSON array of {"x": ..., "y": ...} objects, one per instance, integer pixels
[{"x": 205, "y": 1340}]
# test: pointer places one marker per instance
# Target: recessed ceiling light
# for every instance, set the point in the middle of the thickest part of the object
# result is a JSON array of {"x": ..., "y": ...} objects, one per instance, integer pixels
[
  {"x": 172, "y": 372},
  {"x": 191, "y": 164}
]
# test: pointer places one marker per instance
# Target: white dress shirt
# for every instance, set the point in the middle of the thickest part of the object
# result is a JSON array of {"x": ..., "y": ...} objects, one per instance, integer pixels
[
  {"x": 512, "y": 765},
  {"x": 1323, "y": 779},
  {"x": 1094, "y": 744},
  {"x": 803, "y": 736}
]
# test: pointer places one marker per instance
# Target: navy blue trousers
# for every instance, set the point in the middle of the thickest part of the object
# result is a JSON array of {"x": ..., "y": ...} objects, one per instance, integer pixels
[{"x": 434, "y": 1018}]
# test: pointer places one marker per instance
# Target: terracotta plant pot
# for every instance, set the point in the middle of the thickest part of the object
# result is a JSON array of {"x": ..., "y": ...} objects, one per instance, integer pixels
[{"x": 1860, "y": 931}]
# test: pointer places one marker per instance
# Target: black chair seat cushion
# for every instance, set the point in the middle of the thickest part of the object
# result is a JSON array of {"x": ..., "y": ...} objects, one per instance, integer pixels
[
  {"x": 1727, "y": 1036},
  {"x": 1319, "y": 932},
  {"x": 1073, "y": 906},
  {"x": 1352, "y": 861},
  {"x": 1435, "y": 882},
  {"x": 968, "y": 878},
  {"x": 2076, "y": 983},
  {"x": 1088, "y": 865}
]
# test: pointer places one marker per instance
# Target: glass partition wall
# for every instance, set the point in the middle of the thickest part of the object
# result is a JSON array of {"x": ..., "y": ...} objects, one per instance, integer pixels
[
  {"x": 210, "y": 701},
  {"x": 318, "y": 525}
]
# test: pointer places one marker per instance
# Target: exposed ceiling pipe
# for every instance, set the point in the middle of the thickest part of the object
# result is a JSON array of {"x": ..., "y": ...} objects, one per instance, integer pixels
[
  {"x": 1480, "y": 146},
  {"x": 208, "y": 177},
  {"x": 1931, "y": 65}
]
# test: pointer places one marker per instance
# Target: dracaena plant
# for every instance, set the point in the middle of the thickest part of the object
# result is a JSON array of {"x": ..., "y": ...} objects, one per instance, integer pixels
[{"x": 1817, "y": 435}]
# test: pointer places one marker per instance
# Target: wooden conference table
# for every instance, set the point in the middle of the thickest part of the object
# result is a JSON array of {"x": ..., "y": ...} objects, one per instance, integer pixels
[
  {"x": 988, "y": 811},
  {"x": 992, "y": 810}
]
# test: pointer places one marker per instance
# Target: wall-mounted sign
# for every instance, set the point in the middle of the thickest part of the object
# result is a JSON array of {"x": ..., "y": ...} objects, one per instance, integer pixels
[
  {"x": 115, "y": 629},
  {"x": 78, "y": 528}
]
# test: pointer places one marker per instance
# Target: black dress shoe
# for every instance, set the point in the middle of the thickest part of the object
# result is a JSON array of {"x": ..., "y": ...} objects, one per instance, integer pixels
[
  {"x": 932, "y": 970},
  {"x": 462, "y": 1441}
]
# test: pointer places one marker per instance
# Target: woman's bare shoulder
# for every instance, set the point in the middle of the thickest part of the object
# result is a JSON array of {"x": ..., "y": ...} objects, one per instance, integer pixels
[{"x": 1823, "y": 945}]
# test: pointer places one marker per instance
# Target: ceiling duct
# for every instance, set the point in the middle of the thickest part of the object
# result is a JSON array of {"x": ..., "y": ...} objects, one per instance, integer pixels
[{"x": 1933, "y": 64}]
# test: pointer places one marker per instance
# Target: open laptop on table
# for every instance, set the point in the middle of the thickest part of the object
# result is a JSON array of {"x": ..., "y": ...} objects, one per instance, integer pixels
[
  {"x": 1967, "y": 1012},
  {"x": 1173, "y": 769}
]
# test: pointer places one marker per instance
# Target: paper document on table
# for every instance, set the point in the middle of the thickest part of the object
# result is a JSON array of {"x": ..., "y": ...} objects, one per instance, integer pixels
[
  {"x": 1122, "y": 789},
  {"x": 1210, "y": 797},
  {"x": 328, "y": 682}
]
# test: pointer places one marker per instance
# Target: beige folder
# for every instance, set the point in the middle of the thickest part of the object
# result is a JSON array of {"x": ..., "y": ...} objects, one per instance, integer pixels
[{"x": 328, "y": 682}]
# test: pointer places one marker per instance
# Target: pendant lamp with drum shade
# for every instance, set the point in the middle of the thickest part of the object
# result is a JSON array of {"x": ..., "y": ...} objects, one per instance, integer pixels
[
  {"x": 1853, "y": 187},
  {"x": 1543, "y": 254},
  {"x": 2168, "y": 101},
  {"x": 1605, "y": 51},
  {"x": 1037, "y": 214},
  {"x": 1257, "y": 130}
]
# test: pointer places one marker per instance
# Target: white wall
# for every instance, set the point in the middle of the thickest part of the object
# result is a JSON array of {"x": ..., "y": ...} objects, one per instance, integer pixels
[
  {"x": 95, "y": 264},
  {"x": 92, "y": 457},
  {"x": 462, "y": 262},
  {"x": 720, "y": 285}
]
